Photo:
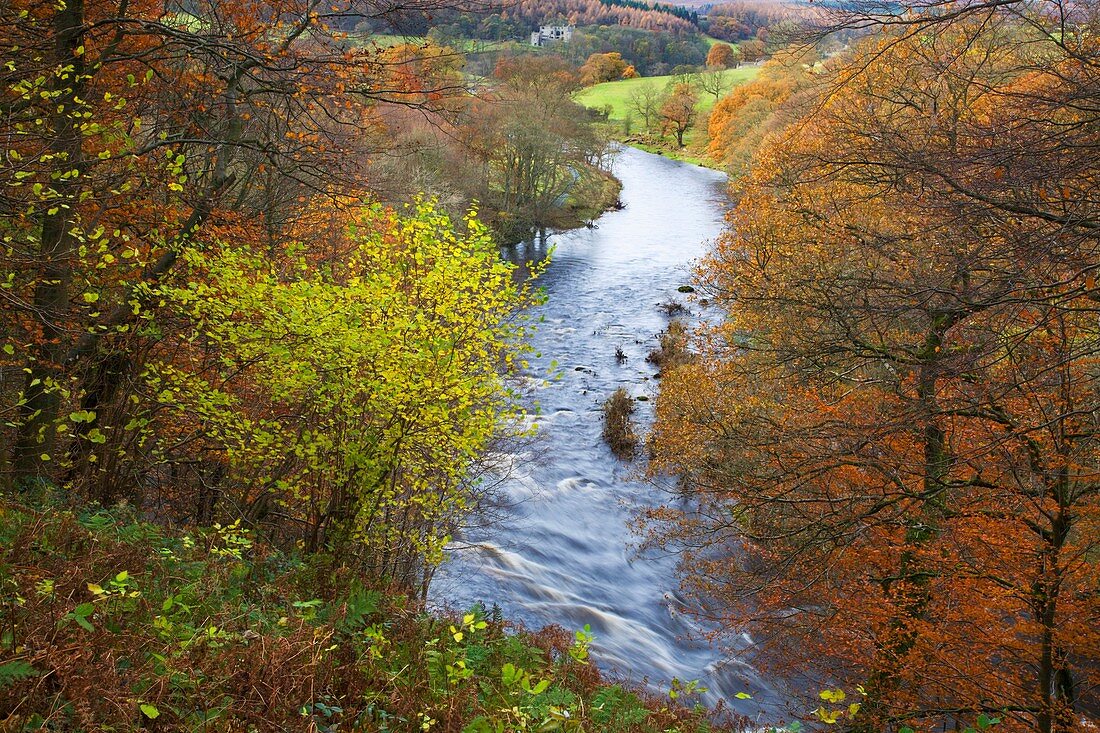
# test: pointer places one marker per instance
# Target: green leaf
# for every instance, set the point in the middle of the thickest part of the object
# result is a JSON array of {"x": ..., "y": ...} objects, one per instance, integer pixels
[
  {"x": 743, "y": 696},
  {"x": 14, "y": 671},
  {"x": 149, "y": 711}
]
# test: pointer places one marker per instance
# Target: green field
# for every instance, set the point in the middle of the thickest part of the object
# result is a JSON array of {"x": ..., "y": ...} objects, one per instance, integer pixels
[
  {"x": 465, "y": 45},
  {"x": 385, "y": 40},
  {"x": 616, "y": 94},
  {"x": 711, "y": 41}
]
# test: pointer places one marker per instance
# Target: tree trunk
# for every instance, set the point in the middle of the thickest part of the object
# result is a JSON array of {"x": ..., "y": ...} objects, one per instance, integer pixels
[
  {"x": 912, "y": 578},
  {"x": 36, "y": 436}
]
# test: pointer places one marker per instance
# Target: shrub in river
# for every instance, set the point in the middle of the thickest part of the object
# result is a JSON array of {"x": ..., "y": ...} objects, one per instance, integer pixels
[
  {"x": 618, "y": 427},
  {"x": 672, "y": 308},
  {"x": 672, "y": 349}
]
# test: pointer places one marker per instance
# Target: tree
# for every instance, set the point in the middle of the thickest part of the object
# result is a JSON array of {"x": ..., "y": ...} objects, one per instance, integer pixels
[
  {"x": 741, "y": 121},
  {"x": 723, "y": 56},
  {"x": 887, "y": 440},
  {"x": 678, "y": 111},
  {"x": 152, "y": 149},
  {"x": 713, "y": 81},
  {"x": 645, "y": 99},
  {"x": 365, "y": 430},
  {"x": 753, "y": 50},
  {"x": 603, "y": 67}
]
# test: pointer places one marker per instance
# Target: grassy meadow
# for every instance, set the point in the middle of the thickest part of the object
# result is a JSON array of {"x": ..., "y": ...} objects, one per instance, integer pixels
[{"x": 616, "y": 94}]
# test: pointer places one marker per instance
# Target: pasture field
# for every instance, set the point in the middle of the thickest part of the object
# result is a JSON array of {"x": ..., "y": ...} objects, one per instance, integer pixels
[{"x": 616, "y": 94}]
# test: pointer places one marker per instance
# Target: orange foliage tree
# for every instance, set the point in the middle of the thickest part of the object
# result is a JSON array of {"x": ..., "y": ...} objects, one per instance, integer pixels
[
  {"x": 740, "y": 121},
  {"x": 601, "y": 67},
  {"x": 722, "y": 56},
  {"x": 891, "y": 441},
  {"x": 678, "y": 111}
]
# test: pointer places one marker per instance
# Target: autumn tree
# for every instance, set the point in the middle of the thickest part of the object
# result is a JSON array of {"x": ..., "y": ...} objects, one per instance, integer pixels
[
  {"x": 742, "y": 120},
  {"x": 752, "y": 51},
  {"x": 722, "y": 56},
  {"x": 139, "y": 135},
  {"x": 889, "y": 442},
  {"x": 678, "y": 111},
  {"x": 352, "y": 398},
  {"x": 603, "y": 67}
]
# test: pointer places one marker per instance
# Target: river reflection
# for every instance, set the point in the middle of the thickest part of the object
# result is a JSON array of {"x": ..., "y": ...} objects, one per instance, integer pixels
[{"x": 563, "y": 553}]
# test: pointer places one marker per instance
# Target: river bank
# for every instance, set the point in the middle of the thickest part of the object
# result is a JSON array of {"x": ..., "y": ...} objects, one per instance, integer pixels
[
  {"x": 112, "y": 623},
  {"x": 592, "y": 193},
  {"x": 684, "y": 154}
]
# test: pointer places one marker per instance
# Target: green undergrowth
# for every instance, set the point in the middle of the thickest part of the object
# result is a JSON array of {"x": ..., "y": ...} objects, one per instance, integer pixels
[{"x": 109, "y": 623}]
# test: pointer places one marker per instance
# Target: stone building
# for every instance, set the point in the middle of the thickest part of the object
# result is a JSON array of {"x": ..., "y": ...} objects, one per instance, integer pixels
[{"x": 548, "y": 34}]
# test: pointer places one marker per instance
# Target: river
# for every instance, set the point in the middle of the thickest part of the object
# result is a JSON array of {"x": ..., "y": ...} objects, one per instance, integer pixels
[{"x": 564, "y": 553}]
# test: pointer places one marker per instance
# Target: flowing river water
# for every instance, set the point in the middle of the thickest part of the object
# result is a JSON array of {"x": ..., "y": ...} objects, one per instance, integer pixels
[{"x": 563, "y": 553}]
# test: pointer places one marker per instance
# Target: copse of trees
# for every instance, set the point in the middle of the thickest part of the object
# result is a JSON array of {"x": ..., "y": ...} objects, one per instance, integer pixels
[
  {"x": 455, "y": 154},
  {"x": 651, "y": 54},
  {"x": 890, "y": 444},
  {"x": 744, "y": 20},
  {"x": 740, "y": 121},
  {"x": 601, "y": 13},
  {"x": 206, "y": 318},
  {"x": 534, "y": 146},
  {"x": 679, "y": 11}
]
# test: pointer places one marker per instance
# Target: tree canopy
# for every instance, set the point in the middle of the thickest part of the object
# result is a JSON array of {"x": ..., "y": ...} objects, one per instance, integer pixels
[{"x": 890, "y": 440}]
